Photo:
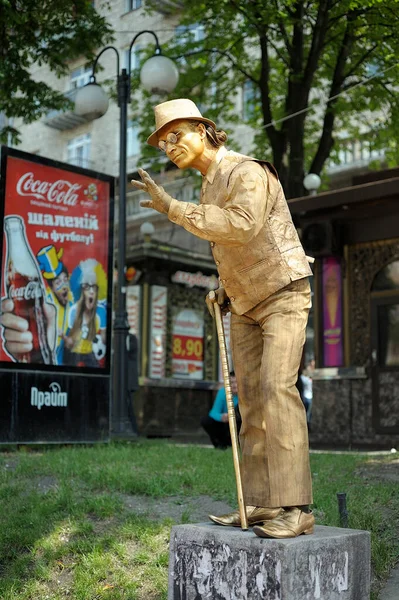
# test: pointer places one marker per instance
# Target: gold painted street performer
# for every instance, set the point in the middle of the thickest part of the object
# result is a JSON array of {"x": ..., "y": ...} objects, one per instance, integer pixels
[{"x": 263, "y": 275}]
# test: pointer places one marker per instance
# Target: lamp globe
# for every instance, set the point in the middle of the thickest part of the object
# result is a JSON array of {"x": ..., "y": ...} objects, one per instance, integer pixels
[
  {"x": 312, "y": 182},
  {"x": 91, "y": 101},
  {"x": 159, "y": 75}
]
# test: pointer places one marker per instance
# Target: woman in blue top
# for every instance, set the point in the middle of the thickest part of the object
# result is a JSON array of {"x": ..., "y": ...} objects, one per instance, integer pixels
[{"x": 216, "y": 423}]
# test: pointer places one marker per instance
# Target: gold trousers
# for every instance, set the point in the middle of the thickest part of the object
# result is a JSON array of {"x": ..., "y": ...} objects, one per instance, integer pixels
[{"x": 267, "y": 344}]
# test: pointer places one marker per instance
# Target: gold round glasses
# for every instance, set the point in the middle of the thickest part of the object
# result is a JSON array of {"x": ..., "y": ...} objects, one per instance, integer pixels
[{"x": 171, "y": 138}]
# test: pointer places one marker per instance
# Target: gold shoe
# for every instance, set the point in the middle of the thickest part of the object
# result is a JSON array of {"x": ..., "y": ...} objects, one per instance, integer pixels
[
  {"x": 291, "y": 523},
  {"x": 255, "y": 514}
]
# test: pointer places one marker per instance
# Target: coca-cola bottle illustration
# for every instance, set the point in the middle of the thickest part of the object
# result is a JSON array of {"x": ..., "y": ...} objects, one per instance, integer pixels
[{"x": 24, "y": 286}]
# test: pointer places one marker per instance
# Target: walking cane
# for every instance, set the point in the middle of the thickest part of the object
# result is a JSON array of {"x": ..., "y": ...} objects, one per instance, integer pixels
[{"x": 230, "y": 409}]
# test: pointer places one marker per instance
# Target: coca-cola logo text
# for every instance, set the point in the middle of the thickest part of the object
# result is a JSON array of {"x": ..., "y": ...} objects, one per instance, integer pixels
[
  {"x": 27, "y": 292},
  {"x": 58, "y": 192}
]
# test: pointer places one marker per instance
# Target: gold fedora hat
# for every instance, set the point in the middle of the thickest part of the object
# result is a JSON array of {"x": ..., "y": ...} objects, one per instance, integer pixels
[{"x": 174, "y": 110}]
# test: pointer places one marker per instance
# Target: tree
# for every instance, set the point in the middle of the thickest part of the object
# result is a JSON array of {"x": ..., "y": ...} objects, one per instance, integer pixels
[
  {"x": 314, "y": 67},
  {"x": 51, "y": 33}
]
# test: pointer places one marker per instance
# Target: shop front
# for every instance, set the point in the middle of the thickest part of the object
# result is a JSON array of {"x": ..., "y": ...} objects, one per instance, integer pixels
[
  {"x": 177, "y": 341},
  {"x": 353, "y": 233}
]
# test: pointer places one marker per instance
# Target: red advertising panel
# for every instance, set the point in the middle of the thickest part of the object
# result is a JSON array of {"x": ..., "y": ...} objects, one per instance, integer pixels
[
  {"x": 333, "y": 347},
  {"x": 188, "y": 344},
  {"x": 55, "y": 265}
]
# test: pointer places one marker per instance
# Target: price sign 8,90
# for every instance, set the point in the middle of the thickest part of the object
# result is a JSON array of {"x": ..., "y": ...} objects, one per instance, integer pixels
[{"x": 187, "y": 347}]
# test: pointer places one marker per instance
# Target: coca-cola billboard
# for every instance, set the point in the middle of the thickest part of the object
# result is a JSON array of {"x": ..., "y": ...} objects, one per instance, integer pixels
[{"x": 55, "y": 265}]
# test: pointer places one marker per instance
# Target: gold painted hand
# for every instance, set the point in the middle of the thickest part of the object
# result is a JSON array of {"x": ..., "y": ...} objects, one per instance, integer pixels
[
  {"x": 160, "y": 200},
  {"x": 220, "y": 297}
]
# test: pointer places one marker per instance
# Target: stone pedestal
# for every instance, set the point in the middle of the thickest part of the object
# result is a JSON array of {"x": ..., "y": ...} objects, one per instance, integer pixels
[{"x": 210, "y": 562}]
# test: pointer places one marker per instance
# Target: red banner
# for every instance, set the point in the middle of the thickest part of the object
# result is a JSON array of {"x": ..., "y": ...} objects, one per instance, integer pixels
[
  {"x": 55, "y": 265},
  {"x": 188, "y": 344}
]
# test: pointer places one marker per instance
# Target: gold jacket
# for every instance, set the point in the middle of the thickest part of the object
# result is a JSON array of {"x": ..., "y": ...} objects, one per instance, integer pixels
[{"x": 244, "y": 215}]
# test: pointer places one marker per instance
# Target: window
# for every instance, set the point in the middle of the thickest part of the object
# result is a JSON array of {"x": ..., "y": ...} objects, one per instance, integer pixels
[
  {"x": 364, "y": 150},
  {"x": 249, "y": 98},
  {"x": 190, "y": 33},
  {"x": 372, "y": 69},
  {"x": 78, "y": 151},
  {"x": 133, "y": 5},
  {"x": 213, "y": 94},
  {"x": 133, "y": 142},
  {"x": 80, "y": 77}
]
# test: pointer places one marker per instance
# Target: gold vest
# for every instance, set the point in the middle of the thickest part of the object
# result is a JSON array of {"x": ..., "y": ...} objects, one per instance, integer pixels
[{"x": 270, "y": 260}]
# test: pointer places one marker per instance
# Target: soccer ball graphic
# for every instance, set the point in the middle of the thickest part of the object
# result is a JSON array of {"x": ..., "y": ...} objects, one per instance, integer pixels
[{"x": 99, "y": 348}]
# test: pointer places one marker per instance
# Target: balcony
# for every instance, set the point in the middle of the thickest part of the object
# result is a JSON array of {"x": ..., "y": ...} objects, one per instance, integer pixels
[
  {"x": 352, "y": 155},
  {"x": 65, "y": 119},
  {"x": 166, "y": 7}
]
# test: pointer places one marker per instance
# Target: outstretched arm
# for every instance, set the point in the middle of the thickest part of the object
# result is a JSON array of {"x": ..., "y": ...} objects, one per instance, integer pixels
[{"x": 234, "y": 224}]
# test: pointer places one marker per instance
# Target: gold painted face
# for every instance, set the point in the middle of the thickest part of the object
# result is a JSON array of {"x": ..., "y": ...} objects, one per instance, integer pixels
[{"x": 182, "y": 144}]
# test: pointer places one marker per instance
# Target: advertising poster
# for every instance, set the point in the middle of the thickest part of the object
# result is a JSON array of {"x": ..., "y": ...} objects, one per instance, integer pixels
[
  {"x": 188, "y": 344},
  {"x": 56, "y": 296},
  {"x": 55, "y": 266},
  {"x": 159, "y": 298},
  {"x": 332, "y": 313},
  {"x": 133, "y": 301}
]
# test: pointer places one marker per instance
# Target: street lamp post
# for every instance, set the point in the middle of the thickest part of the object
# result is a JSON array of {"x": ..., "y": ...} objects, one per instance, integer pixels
[{"x": 158, "y": 75}]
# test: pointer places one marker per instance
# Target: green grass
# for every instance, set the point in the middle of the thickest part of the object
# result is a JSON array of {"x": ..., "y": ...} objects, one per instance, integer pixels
[{"x": 66, "y": 532}]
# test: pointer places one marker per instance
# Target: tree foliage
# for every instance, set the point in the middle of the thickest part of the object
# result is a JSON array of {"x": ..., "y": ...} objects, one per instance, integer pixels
[
  {"x": 51, "y": 33},
  {"x": 317, "y": 69}
]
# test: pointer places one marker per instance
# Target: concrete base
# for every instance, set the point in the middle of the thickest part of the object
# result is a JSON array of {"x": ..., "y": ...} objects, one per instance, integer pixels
[{"x": 210, "y": 562}]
